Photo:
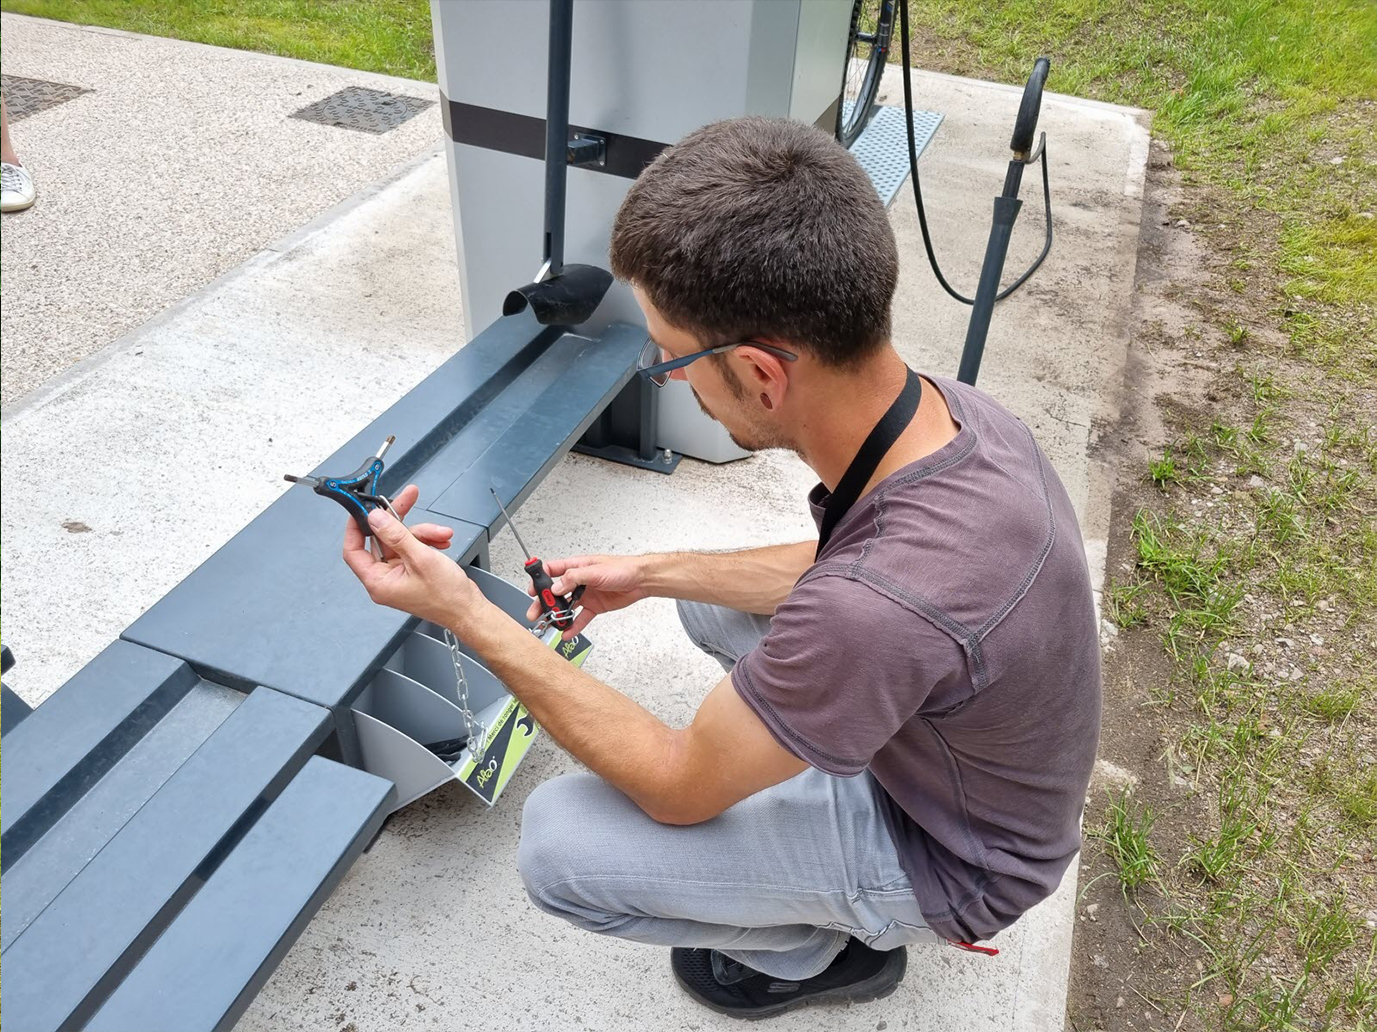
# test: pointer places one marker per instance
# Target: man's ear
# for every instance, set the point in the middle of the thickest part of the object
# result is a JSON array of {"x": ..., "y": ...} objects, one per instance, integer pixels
[{"x": 764, "y": 376}]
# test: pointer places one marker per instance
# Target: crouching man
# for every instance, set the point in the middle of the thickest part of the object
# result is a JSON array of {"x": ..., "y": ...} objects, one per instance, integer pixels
[{"x": 900, "y": 748}]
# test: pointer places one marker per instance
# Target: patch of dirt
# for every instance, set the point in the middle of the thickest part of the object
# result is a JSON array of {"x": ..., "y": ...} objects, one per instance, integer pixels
[
  {"x": 1196, "y": 322},
  {"x": 1166, "y": 369}
]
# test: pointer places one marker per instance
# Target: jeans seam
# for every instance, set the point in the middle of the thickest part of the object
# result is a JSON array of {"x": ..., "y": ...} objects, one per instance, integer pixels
[{"x": 594, "y": 879}]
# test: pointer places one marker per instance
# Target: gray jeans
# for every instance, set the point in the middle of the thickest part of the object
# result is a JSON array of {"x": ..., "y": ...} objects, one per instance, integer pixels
[{"x": 778, "y": 881}]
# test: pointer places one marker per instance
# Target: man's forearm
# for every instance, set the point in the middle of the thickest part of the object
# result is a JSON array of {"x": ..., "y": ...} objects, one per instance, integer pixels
[{"x": 756, "y": 580}]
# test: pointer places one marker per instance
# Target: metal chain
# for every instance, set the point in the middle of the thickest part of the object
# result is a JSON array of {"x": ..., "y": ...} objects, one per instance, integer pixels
[{"x": 477, "y": 733}]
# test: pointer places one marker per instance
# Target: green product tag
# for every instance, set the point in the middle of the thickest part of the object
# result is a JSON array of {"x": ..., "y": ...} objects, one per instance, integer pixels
[{"x": 511, "y": 735}]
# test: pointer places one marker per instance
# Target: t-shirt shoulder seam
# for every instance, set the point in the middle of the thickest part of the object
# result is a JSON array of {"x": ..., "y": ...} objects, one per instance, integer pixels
[
  {"x": 1033, "y": 570},
  {"x": 877, "y": 584}
]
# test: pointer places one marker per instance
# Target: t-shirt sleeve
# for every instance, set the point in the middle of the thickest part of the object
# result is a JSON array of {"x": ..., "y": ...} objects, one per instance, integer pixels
[{"x": 841, "y": 670}]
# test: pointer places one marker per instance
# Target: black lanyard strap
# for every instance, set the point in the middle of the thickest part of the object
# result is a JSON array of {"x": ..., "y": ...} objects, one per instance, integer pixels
[{"x": 862, "y": 468}]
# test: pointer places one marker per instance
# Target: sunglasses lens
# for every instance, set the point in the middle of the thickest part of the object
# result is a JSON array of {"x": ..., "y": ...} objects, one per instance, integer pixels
[{"x": 650, "y": 356}]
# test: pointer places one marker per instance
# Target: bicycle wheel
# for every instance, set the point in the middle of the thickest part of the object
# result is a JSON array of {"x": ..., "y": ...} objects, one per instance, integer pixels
[{"x": 867, "y": 49}]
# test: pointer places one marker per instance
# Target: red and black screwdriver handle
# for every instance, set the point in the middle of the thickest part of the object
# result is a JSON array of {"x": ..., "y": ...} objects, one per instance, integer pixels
[{"x": 559, "y": 608}]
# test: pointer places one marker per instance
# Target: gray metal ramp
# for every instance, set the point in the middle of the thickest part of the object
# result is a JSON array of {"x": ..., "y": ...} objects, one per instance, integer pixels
[
  {"x": 100, "y": 924},
  {"x": 211, "y": 961}
]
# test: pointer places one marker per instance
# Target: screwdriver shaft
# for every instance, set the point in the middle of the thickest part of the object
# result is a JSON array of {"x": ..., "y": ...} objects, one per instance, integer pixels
[{"x": 511, "y": 524}]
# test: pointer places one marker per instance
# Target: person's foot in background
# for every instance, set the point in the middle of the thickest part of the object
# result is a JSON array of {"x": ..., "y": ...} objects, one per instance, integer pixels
[{"x": 16, "y": 185}]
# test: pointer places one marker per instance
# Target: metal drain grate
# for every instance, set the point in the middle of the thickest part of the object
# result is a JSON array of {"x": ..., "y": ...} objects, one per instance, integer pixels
[
  {"x": 25, "y": 97},
  {"x": 369, "y": 111},
  {"x": 882, "y": 149}
]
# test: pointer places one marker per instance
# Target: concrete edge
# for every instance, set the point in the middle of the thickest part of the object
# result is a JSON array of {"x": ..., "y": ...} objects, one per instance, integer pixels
[
  {"x": 75, "y": 374},
  {"x": 1043, "y": 980},
  {"x": 378, "y": 78},
  {"x": 1060, "y": 98}
]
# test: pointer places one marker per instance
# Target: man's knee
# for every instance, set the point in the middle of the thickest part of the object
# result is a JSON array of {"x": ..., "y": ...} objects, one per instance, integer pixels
[
  {"x": 703, "y": 625},
  {"x": 691, "y": 617},
  {"x": 565, "y": 826}
]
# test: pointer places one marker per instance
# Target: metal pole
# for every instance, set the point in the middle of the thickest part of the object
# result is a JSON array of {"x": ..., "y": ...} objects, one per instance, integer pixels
[
  {"x": 557, "y": 132},
  {"x": 1005, "y": 212}
]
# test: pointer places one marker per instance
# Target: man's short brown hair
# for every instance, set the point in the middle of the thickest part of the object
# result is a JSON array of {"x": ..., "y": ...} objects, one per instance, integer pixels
[{"x": 765, "y": 228}]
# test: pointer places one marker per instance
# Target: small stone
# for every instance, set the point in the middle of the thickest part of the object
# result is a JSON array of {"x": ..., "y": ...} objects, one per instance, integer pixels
[
  {"x": 1216, "y": 489},
  {"x": 1237, "y": 662},
  {"x": 1120, "y": 1001},
  {"x": 1295, "y": 674},
  {"x": 1183, "y": 224},
  {"x": 1106, "y": 776},
  {"x": 1332, "y": 161},
  {"x": 1179, "y": 782},
  {"x": 1108, "y": 632},
  {"x": 1300, "y": 447},
  {"x": 1323, "y": 605},
  {"x": 1256, "y": 481},
  {"x": 883, "y": 1024},
  {"x": 1100, "y": 961},
  {"x": 1226, "y": 999},
  {"x": 1286, "y": 643},
  {"x": 1091, "y": 910},
  {"x": 1315, "y": 639}
]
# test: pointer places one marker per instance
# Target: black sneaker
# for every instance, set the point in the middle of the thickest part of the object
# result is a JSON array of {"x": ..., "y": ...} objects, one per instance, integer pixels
[{"x": 858, "y": 973}]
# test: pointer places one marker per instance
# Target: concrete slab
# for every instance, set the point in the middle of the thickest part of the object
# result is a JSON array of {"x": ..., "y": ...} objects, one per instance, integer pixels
[
  {"x": 130, "y": 469},
  {"x": 179, "y": 165},
  {"x": 431, "y": 931}
]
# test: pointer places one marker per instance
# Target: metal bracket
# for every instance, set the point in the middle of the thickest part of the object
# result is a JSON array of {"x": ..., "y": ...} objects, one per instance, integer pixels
[{"x": 586, "y": 150}]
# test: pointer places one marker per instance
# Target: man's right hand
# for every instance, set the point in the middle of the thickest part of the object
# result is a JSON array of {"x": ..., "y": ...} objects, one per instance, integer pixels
[{"x": 610, "y": 583}]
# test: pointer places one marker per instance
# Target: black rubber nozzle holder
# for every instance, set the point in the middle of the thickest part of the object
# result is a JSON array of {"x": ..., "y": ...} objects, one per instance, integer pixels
[
  {"x": 559, "y": 608},
  {"x": 358, "y": 492}
]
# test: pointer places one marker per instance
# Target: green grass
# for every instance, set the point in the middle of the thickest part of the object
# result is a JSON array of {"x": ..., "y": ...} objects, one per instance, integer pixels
[
  {"x": 1337, "y": 701},
  {"x": 1256, "y": 97},
  {"x": 1125, "y": 836},
  {"x": 390, "y": 36}
]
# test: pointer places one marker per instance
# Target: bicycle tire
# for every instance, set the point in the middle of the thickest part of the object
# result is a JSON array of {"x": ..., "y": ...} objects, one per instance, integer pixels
[{"x": 851, "y": 123}]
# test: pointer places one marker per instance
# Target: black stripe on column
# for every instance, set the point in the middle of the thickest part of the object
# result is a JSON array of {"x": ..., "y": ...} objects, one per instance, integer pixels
[{"x": 524, "y": 135}]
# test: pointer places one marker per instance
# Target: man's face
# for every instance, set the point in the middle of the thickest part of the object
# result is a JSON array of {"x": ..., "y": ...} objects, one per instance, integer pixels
[{"x": 716, "y": 387}]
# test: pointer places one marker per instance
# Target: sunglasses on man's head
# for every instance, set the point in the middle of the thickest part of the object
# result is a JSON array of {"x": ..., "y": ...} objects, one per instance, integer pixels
[{"x": 657, "y": 372}]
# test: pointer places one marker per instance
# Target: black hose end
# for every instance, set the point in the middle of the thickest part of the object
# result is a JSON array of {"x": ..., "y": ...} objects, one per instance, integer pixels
[{"x": 1025, "y": 126}]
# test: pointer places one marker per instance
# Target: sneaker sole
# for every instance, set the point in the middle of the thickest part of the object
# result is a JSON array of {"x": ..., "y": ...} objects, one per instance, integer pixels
[{"x": 877, "y": 987}]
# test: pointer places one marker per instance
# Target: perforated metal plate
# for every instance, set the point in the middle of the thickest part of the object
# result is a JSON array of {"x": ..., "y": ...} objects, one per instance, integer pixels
[
  {"x": 882, "y": 149},
  {"x": 368, "y": 111},
  {"x": 25, "y": 97}
]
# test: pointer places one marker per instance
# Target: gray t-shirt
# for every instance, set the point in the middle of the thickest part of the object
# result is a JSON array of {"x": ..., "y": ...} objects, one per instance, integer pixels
[{"x": 946, "y": 640}]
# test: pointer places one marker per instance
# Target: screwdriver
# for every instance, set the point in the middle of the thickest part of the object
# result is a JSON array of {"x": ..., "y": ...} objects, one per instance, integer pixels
[{"x": 559, "y": 609}]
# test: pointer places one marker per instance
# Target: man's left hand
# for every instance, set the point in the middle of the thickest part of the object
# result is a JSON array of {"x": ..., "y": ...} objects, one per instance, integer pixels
[{"x": 412, "y": 575}]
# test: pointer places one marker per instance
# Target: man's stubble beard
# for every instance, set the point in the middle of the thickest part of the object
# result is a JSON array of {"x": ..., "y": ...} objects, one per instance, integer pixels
[{"x": 764, "y": 441}]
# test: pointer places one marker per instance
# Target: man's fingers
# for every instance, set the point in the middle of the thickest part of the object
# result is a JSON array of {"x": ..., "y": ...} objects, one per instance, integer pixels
[
  {"x": 392, "y": 533},
  {"x": 356, "y": 554},
  {"x": 405, "y": 499},
  {"x": 433, "y": 534},
  {"x": 569, "y": 580},
  {"x": 581, "y": 621},
  {"x": 554, "y": 567}
]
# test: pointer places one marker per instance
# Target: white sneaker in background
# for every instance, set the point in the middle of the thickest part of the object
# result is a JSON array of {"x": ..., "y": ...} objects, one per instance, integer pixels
[{"x": 16, "y": 187}]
